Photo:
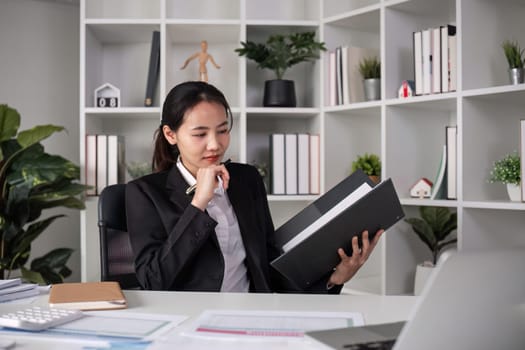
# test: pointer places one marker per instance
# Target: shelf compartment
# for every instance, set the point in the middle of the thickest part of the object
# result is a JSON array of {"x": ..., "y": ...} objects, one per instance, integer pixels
[
  {"x": 491, "y": 130},
  {"x": 112, "y": 52},
  {"x": 183, "y": 40},
  {"x": 352, "y": 133},
  {"x": 306, "y": 75},
  {"x": 492, "y": 229},
  {"x": 401, "y": 21},
  {"x": 361, "y": 30},
  {"x": 484, "y": 64},
  {"x": 203, "y": 9},
  {"x": 132, "y": 9},
  {"x": 415, "y": 136},
  {"x": 290, "y": 10},
  {"x": 338, "y": 8}
]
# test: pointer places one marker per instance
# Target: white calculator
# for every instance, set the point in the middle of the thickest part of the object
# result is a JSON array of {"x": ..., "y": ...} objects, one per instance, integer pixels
[{"x": 37, "y": 318}]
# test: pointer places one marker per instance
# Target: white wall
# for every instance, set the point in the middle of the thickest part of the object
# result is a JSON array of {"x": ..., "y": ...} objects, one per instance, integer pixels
[{"x": 39, "y": 76}]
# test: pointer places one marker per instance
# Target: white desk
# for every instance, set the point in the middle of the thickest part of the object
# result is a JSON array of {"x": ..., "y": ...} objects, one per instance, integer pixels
[{"x": 375, "y": 309}]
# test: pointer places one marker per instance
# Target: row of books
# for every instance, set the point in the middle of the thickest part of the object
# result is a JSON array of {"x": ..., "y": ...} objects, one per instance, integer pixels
[
  {"x": 435, "y": 60},
  {"x": 105, "y": 162},
  {"x": 294, "y": 163},
  {"x": 345, "y": 84}
]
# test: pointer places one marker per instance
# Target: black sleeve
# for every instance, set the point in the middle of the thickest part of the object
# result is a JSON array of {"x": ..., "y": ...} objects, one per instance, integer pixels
[{"x": 160, "y": 256}]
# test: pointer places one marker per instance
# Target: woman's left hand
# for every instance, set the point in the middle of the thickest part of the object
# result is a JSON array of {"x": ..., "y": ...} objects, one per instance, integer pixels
[{"x": 349, "y": 265}]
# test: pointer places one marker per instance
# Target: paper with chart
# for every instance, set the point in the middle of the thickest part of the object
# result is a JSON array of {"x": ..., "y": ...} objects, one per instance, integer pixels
[{"x": 270, "y": 323}]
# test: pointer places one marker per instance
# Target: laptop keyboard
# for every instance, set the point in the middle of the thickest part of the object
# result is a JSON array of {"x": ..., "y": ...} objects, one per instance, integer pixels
[{"x": 376, "y": 345}]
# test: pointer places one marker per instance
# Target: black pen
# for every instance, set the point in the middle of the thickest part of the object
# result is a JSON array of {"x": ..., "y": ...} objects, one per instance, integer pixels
[{"x": 192, "y": 188}]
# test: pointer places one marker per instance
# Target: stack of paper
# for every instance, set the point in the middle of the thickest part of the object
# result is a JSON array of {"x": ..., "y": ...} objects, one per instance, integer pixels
[{"x": 12, "y": 289}]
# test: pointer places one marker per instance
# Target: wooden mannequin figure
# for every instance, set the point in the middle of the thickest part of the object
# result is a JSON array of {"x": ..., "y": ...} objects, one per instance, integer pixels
[{"x": 203, "y": 57}]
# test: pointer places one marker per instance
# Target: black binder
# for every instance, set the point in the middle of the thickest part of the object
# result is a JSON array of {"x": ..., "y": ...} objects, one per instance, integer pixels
[
  {"x": 316, "y": 255},
  {"x": 153, "y": 71}
]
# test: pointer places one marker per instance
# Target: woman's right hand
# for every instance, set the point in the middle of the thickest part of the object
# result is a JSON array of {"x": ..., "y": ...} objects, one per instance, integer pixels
[{"x": 207, "y": 182}]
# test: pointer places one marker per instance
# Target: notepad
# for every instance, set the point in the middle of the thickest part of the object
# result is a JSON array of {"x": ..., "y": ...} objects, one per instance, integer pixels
[{"x": 87, "y": 296}]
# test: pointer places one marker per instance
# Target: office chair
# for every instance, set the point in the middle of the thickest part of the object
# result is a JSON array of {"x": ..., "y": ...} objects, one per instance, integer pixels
[{"x": 116, "y": 256}]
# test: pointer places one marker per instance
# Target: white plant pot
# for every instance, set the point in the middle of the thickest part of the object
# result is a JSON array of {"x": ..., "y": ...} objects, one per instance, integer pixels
[
  {"x": 423, "y": 273},
  {"x": 514, "y": 192}
]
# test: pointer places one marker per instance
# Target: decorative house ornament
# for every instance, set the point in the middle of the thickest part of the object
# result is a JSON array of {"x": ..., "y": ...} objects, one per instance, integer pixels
[
  {"x": 421, "y": 189},
  {"x": 107, "y": 95},
  {"x": 406, "y": 89}
]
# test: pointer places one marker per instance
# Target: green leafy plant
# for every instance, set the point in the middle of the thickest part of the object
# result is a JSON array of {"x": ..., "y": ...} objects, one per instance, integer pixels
[
  {"x": 369, "y": 163},
  {"x": 281, "y": 52},
  {"x": 32, "y": 180},
  {"x": 514, "y": 54},
  {"x": 370, "y": 68},
  {"x": 433, "y": 228},
  {"x": 506, "y": 170},
  {"x": 138, "y": 169}
]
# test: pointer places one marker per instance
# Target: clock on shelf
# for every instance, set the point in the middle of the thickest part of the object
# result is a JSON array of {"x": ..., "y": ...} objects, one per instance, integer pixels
[{"x": 107, "y": 95}]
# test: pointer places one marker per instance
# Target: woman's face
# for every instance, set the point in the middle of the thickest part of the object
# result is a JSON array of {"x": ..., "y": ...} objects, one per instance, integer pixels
[{"x": 203, "y": 136}]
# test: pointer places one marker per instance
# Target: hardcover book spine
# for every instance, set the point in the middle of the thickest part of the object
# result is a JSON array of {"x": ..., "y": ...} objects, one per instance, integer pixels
[
  {"x": 451, "y": 162},
  {"x": 91, "y": 164},
  {"x": 153, "y": 71},
  {"x": 418, "y": 63},
  {"x": 102, "y": 162},
  {"x": 303, "y": 163},
  {"x": 290, "y": 157},
  {"x": 277, "y": 164}
]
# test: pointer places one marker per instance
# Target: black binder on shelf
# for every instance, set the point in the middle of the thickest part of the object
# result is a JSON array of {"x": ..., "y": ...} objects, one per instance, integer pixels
[
  {"x": 333, "y": 219},
  {"x": 153, "y": 71}
]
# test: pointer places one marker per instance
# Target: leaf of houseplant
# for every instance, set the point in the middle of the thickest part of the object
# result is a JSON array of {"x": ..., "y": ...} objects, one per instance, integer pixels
[
  {"x": 22, "y": 241},
  {"x": 52, "y": 266},
  {"x": 424, "y": 231},
  {"x": 449, "y": 226},
  {"x": 9, "y": 123},
  {"x": 32, "y": 276},
  {"x": 436, "y": 217},
  {"x": 36, "y": 134}
]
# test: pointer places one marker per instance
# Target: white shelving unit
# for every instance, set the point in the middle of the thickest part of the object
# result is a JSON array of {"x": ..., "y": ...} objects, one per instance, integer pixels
[{"x": 408, "y": 134}]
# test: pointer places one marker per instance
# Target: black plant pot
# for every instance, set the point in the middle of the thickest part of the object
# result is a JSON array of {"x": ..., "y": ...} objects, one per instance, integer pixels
[{"x": 279, "y": 93}]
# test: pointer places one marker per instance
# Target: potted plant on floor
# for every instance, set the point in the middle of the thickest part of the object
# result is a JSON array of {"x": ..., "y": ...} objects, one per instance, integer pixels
[
  {"x": 32, "y": 180},
  {"x": 370, "y": 164},
  {"x": 515, "y": 60},
  {"x": 433, "y": 227},
  {"x": 370, "y": 69},
  {"x": 507, "y": 171},
  {"x": 279, "y": 53}
]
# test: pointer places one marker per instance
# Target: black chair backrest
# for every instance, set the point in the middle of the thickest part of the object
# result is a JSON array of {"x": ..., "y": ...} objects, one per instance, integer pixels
[{"x": 116, "y": 256}]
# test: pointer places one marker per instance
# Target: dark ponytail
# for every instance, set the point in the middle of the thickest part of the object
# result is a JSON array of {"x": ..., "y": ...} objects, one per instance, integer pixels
[{"x": 179, "y": 100}]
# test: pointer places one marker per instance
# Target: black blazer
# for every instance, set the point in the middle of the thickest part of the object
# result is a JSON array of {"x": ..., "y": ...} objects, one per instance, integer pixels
[{"x": 175, "y": 245}]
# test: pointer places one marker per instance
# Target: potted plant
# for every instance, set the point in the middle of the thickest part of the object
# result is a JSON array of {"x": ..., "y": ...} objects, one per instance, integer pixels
[
  {"x": 433, "y": 228},
  {"x": 370, "y": 164},
  {"x": 32, "y": 180},
  {"x": 370, "y": 69},
  {"x": 507, "y": 171},
  {"x": 279, "y": 53},
  {"x": 515, "y": 60}
]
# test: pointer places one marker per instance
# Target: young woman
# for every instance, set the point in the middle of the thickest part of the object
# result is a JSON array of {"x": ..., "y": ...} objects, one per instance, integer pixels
[{"x": 201, "y": 225}]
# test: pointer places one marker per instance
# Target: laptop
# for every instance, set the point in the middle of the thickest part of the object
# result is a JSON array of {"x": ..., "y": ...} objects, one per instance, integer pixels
[{"x": 472, "y": 301}]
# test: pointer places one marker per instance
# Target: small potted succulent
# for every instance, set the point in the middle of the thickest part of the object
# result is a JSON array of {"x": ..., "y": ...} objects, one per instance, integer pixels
[
  {"x": 370, "y": 69},
  {"x": 515, "y": 59},
  {"x": 370, "y": 164},
  {"x": 279, "y": 53},
  {"x": 507, "y": 171},
  {"x": 433, "y": 228}
]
